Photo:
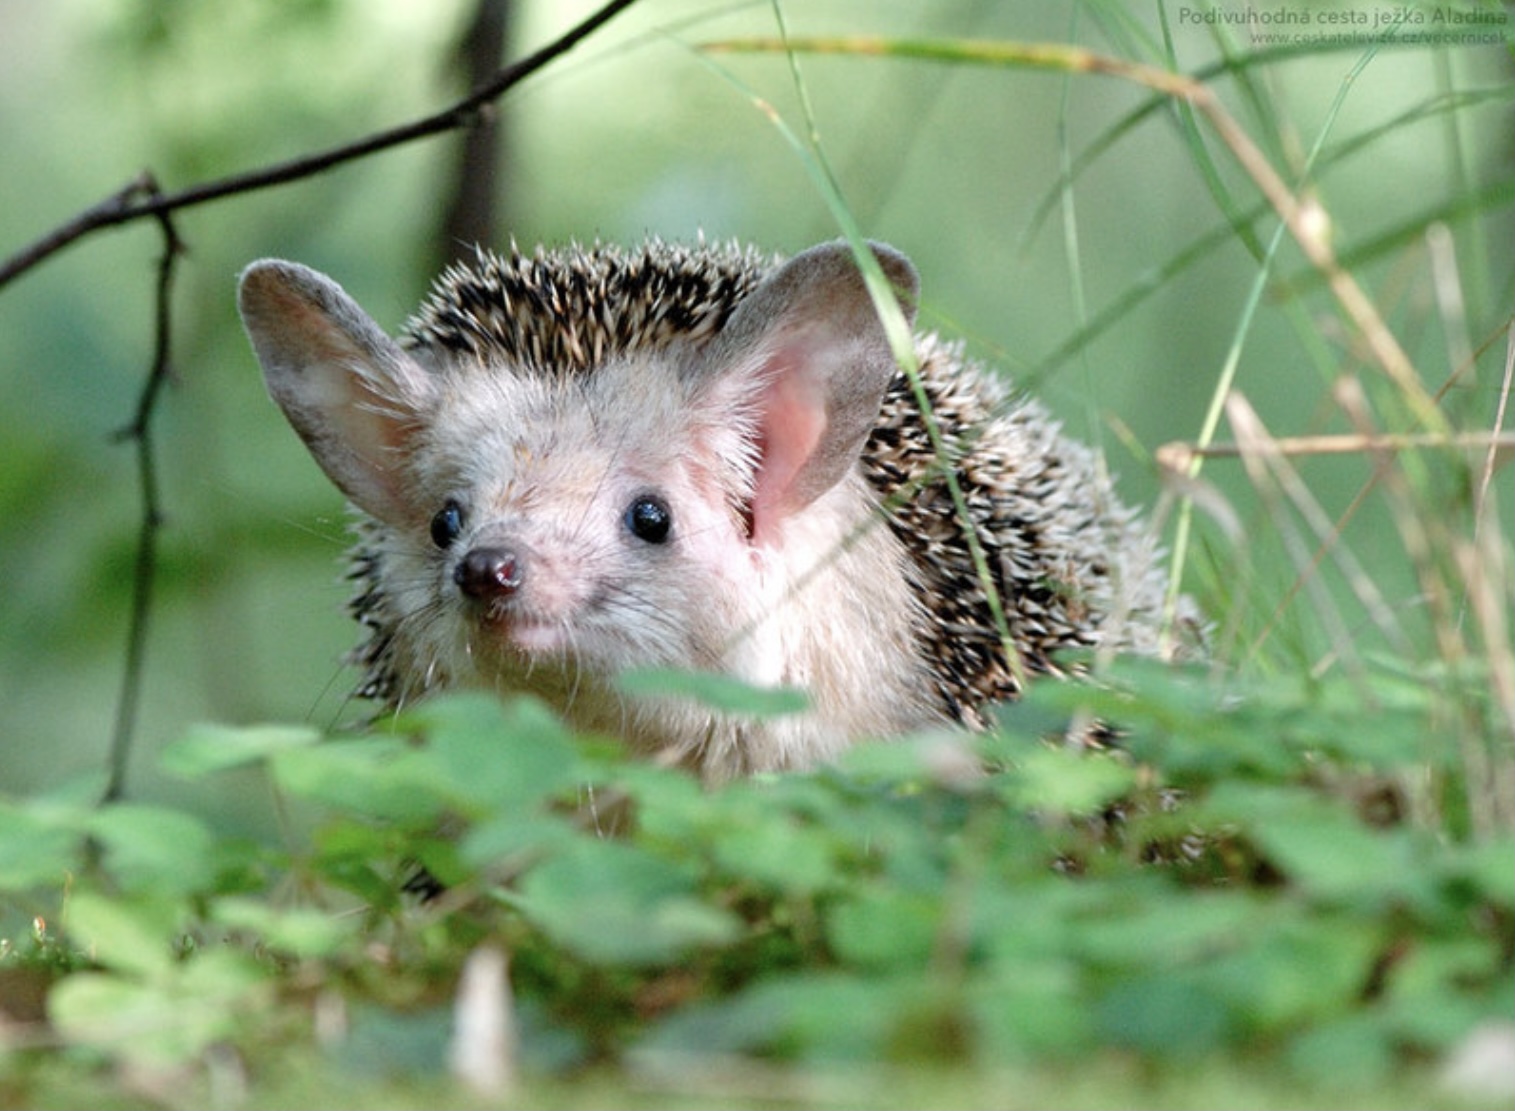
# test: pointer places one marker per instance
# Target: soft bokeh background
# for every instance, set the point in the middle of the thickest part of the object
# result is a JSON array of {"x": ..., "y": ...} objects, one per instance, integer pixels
[{"x": 633, "y": 134}]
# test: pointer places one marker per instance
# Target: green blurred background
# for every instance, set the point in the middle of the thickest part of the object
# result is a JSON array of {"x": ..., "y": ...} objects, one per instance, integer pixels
[{"x": 634, "y": 134}]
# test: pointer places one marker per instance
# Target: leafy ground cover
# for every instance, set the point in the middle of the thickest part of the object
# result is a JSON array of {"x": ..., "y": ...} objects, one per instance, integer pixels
[
  {"x": 1248, "y": 881},
  {"x": 1293, "y": 884}
]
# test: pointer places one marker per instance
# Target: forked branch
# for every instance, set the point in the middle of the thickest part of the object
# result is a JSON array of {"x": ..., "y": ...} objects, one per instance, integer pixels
[
  {"x": 137, "y": 201},
  {"x": 142, "y": 199}
]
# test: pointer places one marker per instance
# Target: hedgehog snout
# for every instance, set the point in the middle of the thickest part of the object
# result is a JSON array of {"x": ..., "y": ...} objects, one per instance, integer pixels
[{"x": 489, "y": 574}]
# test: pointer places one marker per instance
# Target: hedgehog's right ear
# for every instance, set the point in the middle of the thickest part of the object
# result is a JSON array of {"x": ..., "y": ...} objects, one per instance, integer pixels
[
  {"x": 803, "y": 363},
  {"x": 352, "y": 393}
]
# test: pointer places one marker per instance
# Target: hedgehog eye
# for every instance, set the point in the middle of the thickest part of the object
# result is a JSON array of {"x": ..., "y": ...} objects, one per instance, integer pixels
[
  {"x": 447, "y": 525},
  {"x": 648, "y": 519}
]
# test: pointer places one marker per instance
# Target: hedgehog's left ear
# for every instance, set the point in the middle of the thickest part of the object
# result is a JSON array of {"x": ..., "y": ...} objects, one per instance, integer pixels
[
  {"x": 804, "y": 363},
  {"x": 353, "y": 394}
]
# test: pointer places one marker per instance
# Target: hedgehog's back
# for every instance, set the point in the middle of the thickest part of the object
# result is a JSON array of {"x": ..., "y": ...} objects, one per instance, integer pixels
[
  {"x": 568, "y": 310},
  {"x": 1073, "y": 567}
]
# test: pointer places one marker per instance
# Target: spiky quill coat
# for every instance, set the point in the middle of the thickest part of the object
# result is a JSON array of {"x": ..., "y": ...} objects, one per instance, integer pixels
[{"x": 1072, "y": 567}]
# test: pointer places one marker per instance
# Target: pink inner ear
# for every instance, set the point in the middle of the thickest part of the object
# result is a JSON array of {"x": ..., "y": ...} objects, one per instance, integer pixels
[{"x": 792, "y": 422}]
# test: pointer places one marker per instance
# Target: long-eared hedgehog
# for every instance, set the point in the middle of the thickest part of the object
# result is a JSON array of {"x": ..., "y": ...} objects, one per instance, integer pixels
[{"x": 589, "y": 460}]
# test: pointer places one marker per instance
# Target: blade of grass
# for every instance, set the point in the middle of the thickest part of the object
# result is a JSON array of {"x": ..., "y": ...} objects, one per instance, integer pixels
[
  {"x": 1464, "y": 177},
  {"x": 1449, "y": 103},
  {"x": 1305, "y": 218},
  {"x": 1199, "y": 153},
  {"x": 1274, "y": 480},
  {"x": 1072, "y": 257},
  {"x": 1452, "y": 211},
  {"x": 897, "y": 329},
  {"x": 1409, "y": 231}
]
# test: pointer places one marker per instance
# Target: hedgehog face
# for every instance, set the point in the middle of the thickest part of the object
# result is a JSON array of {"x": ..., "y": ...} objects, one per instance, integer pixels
[
  {"x": 588, "y": 462},
  {"x": 561, "y": 525}
]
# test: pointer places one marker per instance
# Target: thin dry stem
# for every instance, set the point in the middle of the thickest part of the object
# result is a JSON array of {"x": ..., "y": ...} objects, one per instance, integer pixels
[
  {"x": 1499, "y": 447},
  {"x": 144, "y": 573},
  {"x": 138, "y": 201},
  {"x": 141, "y": 199},
  {"x": 1492, "y": 457},
  {"x": 1271, "y": 475},
  {"x": 1307, "y": 221}
]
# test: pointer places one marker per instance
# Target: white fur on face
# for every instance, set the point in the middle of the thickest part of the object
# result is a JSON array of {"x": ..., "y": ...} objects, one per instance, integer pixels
[{"x": 547, "y": 469}]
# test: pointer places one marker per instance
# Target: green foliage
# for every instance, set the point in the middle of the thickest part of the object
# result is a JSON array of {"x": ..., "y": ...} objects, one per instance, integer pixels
[
  {"x": 1256, "y": 898},
  {"x": 1298, "y": 872}
]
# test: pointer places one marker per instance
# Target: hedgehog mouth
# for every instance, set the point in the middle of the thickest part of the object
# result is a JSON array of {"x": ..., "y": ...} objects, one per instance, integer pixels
[
  {"x": 531, "y": 636},
  {"x": 538, "y": 638}
]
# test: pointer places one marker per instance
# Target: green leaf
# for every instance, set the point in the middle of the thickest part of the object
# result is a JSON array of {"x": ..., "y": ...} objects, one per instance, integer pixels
[
  {"x": 1030, "y": 1009},
  {"x": 781, "y": 853},
  {"x": 298, "y": 931},
  {"x": 749, "y": 829},
  {"x": 612, "y": 903},
  {"x": 39, "y": 844},
  {"x": 379, "y": 777},
  {"x": 114, "y": 1014},
  {"x": 1442, "y": 986},
  {"x": 513, "y": 837},
  {"x": 884, "y": 928},
  {"x": 1349, "y": 1054},
  {"x": 359, "y": 857},
  {"x": 1490, "y": 867},
  {"x": 155, "y": 848},
  {"x": 213, "y": 748},
  {"x": 1170, "y": 1015},
  {"x": 719, "y": 692},
  {"x": 133, "y": 935},
  {"x": 1335, "y": 857},
  {"x": 1067, "y": 781},
  {"x": 1142, "y": 923},
  {"x": 1036, "y": 920},
  {"x": 496, "y": 755},
  {"x": 1317, "y": 842},
  {"x": 1294, "y": 968},
  {"x": 813, "y": 1015},
  {"x": 165, "y": 1021}
]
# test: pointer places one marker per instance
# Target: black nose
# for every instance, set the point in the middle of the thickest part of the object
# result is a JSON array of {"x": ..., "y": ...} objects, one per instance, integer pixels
[{"x": 486, "y": 574}]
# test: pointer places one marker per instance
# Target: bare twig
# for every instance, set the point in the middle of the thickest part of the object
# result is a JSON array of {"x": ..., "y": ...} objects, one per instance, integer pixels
[
  {"x": 1179, "y": 456},
  {"x": 142, "y": 198},
  {"x": 472, "y": 213},
  {"x": 140, "y": 432},
  {"x": 136, "y": 203}
]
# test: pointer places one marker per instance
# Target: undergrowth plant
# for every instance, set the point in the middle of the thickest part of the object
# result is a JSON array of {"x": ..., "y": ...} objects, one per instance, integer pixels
[
  {"x": 1298, "y": 860},
  {"x": 1247, "y": 880}
]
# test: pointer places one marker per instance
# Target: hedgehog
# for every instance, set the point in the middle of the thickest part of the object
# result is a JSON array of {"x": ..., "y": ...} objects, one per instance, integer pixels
[{"x": 583, "y": 462}]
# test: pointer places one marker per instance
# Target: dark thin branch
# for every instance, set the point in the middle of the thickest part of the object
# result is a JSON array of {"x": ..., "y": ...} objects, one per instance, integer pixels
[
  {"x": 472, "y": 214},
  {"x": 143, "y": 199},
  {"x": 135, "y": 202},
  {"x": 140, "y": 432}
]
